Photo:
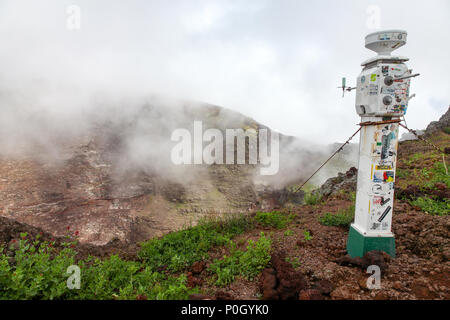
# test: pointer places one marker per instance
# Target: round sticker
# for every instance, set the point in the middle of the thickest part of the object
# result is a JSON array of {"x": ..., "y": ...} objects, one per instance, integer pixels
[{"x": 363, "y": 78}]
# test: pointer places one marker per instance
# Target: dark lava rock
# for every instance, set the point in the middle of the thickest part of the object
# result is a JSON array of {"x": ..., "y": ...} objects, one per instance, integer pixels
[
  {"x": 370, "y": 258},
  {"x": 198, "y": 296},
  {"x": 222, "y": 295},
  {"x": 311, "y": 294},
  {"x": 268, "y": 283},
  {"x": 283, "y": 281},
  {"x": 198, "y": 267},
  {"x": 412, "y": 191},
  {"x": 193, "y": 281},
  {"x": 343, "y": 181},
  {"x": 324, "y": 287}
]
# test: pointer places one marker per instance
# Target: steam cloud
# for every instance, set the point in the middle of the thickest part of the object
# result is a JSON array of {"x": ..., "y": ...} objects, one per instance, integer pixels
[{"x": 133, "y": 67}]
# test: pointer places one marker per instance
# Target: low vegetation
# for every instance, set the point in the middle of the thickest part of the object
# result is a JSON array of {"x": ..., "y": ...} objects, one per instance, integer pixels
[
  {"x": 295, "y": 262},
  {"x": 178, "y": 250},
  {"x": 274, "y": 219},
  {"x": 36, "y": 270},
  {"x": 342, "y": 218},
  {"x": 247, "y": 263},
  {"x": 307, "y": 235},
  {"x": 431, "y": 206},
  {"x": 312, "y": 198},
  {"x": 429, "y": 180}
]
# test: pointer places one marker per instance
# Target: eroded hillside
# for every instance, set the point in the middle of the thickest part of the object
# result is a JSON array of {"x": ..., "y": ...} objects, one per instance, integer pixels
[{"x": 115, "y": 179}]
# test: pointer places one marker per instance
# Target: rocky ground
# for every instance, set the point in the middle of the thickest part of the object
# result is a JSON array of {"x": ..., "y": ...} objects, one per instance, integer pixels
[{"x": 322, "y": 269}]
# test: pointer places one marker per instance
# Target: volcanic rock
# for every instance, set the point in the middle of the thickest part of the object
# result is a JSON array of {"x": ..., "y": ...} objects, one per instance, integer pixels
[
  {"x": 282, "y": 282},
  {"x": 370, "y": 258},
  {"x": 443, "y": 123}
]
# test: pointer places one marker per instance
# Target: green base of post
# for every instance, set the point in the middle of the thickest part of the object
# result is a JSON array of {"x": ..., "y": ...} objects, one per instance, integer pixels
[{"x": 358, "y": 244}]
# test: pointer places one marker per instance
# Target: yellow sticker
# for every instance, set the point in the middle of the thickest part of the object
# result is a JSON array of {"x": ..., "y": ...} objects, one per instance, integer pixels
[{"x": 373, "y": 77}]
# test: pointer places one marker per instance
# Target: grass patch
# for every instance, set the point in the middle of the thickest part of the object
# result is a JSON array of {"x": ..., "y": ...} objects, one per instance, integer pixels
[
  {"x": 307, "y": 235},
  {"x": 274, "y": 219},
  {"x": 426, "y": 178},
  {"x": 342, "y": 218},
  {"x": 431, "y": 206},
  {"x": 312, "y": 198},
  {"x": 288, "y": 233},
  {"x": 339, "y": 219},
  {"x": 438, "y": 174},
  {"x": 402, "y": 173},
  {"x": 178, "y": 250},
  {"x": 247, "y": 263},
  {"x": 415, "y": 157}
]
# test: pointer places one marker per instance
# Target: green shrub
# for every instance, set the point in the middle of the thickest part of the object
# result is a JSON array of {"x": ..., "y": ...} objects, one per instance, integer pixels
[
  {"x": 38, "y": 271},
  {"x": 105, "y": 279},
  {"x": 307, "y": 235},
  {"x": 439, "y": 175},
  {"x": 247, "y": 263},
  {"x": 343, "y": 218},
  {"x": 402, "y": 173},
  {"x": 415, "y": 157},
  {"x": 431, "y": 206},
  {"x": 426, "y": 178},
  {"x": 312, "y": 198},
  {"x": 274, "y": 219},
  {"x": 115, "y": 278},
  {"x": 178, "y": 250}
]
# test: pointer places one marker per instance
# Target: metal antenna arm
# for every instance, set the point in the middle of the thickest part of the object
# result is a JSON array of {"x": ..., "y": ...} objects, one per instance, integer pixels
[{"x": 407, "y": 77}]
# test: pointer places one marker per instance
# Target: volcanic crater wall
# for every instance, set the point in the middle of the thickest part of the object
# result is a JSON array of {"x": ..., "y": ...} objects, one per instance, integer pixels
[{"x": 116, "y": 180}]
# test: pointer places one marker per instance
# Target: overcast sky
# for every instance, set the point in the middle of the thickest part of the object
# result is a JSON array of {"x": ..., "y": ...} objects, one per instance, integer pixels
[{"x": 278, "y": 62}]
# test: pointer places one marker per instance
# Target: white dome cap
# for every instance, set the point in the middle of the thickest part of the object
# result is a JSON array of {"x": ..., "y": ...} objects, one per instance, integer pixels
[{"x": 384, "y": 42}]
